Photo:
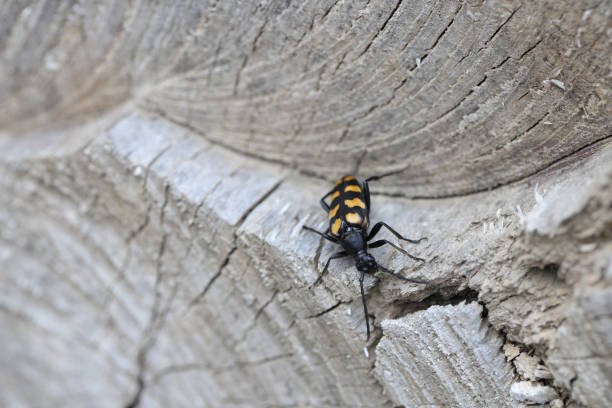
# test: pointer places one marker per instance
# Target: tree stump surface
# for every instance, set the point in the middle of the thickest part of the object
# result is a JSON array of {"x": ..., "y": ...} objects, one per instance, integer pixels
[{"x": 158, "y": 162}]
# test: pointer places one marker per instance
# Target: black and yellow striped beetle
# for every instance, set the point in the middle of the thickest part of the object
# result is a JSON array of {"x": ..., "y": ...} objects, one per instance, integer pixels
[{"x": 349, "y": 213}]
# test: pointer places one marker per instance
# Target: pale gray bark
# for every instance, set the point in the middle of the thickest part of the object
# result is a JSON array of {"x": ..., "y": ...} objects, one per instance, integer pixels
[{"x": 157, "y": 163}]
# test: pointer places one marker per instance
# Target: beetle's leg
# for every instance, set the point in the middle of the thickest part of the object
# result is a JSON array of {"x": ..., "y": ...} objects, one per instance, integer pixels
[
  {"x": 365, "y": 307},
  {"x": 381, "y": 224},
  {"x": 323, "y": 234},
  {"x": 337, "y": 255},
  {"x": 382, "y": 268},
  {"x": 323, "y": 203},
  {"x": 382, "y": 242}
]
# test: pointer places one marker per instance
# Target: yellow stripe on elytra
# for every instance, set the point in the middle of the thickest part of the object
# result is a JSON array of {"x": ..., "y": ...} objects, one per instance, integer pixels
[
  {"x": 335, "y": 195},
  {"x": 347, "y": 178},
  {"x": 365, "y": 222},
  {"x": 353, "y": 218},
  {"x": 333, "y": 211},
  {"x": 335, "y": 227},
  {"x": 352, "y": 187},
  {"x": 355, "y": 202}
]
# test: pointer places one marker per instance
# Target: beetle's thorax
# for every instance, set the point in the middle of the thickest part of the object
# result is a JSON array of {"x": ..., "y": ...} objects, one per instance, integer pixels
[{"x": 353, "y": 241}]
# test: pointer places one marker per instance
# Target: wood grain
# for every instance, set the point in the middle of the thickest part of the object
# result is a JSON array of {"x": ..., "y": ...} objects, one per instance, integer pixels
[{"x": 157, "y": 163}]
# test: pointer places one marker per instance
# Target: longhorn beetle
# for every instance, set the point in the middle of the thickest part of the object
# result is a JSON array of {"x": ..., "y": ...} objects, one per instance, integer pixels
[{"x": 348, "y": 225}]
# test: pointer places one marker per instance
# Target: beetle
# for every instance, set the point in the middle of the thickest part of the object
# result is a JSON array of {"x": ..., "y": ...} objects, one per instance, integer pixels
[{"x": 349, "y": 217}]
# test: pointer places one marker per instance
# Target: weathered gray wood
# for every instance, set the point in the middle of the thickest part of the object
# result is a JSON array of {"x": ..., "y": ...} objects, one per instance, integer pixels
[
  {"x": 444, "y": 351},
  {"x": 157, "y": 163},
  {"x": 418, "y": 86}
]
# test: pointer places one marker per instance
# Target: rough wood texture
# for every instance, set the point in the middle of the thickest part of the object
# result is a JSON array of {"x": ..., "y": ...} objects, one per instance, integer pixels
[
  {"x": 157, "y": 163},
  {"x": 444, "y": 351}
]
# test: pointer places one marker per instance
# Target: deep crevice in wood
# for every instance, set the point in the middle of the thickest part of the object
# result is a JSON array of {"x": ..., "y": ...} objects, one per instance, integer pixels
[{"x": 436, "y": 299}]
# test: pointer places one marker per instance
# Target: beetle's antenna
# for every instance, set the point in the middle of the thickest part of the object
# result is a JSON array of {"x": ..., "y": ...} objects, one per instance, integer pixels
[
  {"x": 355, "y": 170},
  {"x": 365, "y": 307},
  {"x": 382, "y": 268},
  {"x": 387, "y": 174}
]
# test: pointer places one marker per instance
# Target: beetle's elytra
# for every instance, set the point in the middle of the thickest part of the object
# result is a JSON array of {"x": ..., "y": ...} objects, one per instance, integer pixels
[{"x": 349, "y": 213}]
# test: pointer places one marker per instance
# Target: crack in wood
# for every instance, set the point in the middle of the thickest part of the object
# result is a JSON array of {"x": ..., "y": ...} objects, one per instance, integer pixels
[
  {"x": 204, "y": 291},
  {"x": 202, "y": 294},
  {"x": 329, "y": 309},
  {"x": 523, "y": 95},
  {"x": 502, "y": 25},
  {"x": 134, "y": 233},
  {"x": 256, "y": 204},
  {"x": 339, "y": 64},
  {"x": 430, "y": 49},
  {"x": 380, "y": 30},
  {"x": 216, "y": 369},
  {"x": 418, "y": 31},
  {"x": 594, "y": 144},
  {"x": 324, "y": 16},
  {"x": 196, "y": 210},
  {"x": 152, "y": 162},
  {"x": 371, "y": 110},
  {"x": 536, "y": 123},
  {"x": 528, "y": 50},
  {"x": 253, "y": 323},
  {"x": 156, "y": 322},
  {"x": 246, "y": 57},
  {"x": 162, "y": 213}
]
